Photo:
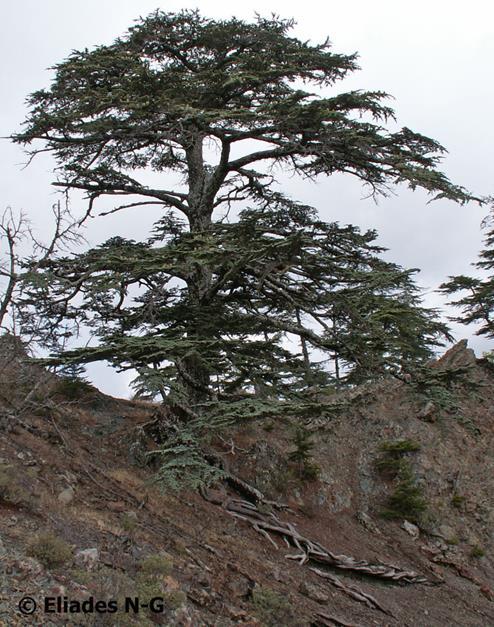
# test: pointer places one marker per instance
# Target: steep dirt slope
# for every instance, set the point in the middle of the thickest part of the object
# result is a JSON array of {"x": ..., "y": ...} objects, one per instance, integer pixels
[{"x": 69, "y": 468}]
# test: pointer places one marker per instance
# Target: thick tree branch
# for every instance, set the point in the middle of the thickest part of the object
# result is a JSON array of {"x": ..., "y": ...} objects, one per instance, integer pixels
[{"x": 167, "y": 197}]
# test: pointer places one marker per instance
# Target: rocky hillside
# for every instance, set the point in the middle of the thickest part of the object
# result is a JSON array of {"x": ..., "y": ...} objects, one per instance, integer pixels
[{"x": 387, "y": 517}]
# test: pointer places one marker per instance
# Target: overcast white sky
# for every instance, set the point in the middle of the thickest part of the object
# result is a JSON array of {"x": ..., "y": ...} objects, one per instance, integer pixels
[{"x": 434, "y": 57}]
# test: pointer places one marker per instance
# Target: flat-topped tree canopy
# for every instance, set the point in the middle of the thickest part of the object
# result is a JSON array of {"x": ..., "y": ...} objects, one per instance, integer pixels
[
  {"x": 217, "y": 299},
  {"x": 152, "y": 99}
]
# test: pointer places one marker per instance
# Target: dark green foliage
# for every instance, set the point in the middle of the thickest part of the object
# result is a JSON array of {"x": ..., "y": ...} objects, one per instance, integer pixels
[
  {"x": 272, "y": 608},
  {"x": 477, "y": 552},
  {"x": 71, "y": 372},
  {"x": 399, "y": 447},
  {"x": 458, "y": 501},
  {"x": 203, "y": 307},
  {"x": 183, "y": 459},
  {"x": 389, "y": 465},
  {"x": 149, "y": 582},
  {"x": 441, "y": 386},
  {"x": 392, "y": 460},
  {"x": 71, "y": 383},
  {"x": 185, "y": 466},
  {"x": 446, "y": 388},
  {"x": 301, "y": 457},
  {"x": 49, "y": 549},
  {"x": 477, "y": 301},
  {"x": 129, "y": 522},
  {"x": 304, "y": 445},
  {"x": 156, "y": 565},
  {"x": 73, "y": 389},
  {"x": 310, "y": 471},
  {"x": 276, "y": 272},
  {"x": 407, "y": 500},
  {"x": 143, "y": 102}
]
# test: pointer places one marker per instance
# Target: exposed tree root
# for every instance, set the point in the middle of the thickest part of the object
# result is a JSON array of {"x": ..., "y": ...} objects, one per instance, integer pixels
[
  {"x": 325, "y": 620},
  {"x": 250, "y": 492},
  {"x": 242, "y": 487},
  {"x": 352, "y": 591},
  {"x": 311, "y": 551}
]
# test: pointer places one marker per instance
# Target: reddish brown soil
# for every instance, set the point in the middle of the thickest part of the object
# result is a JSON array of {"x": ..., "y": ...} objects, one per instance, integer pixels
[{"x": 218, "y": 560}]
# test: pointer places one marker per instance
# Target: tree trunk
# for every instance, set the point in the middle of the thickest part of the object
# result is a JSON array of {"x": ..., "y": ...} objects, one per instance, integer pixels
[
  {"x": 194, "y": 372},
  {"x": 305, "y": 350}
]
